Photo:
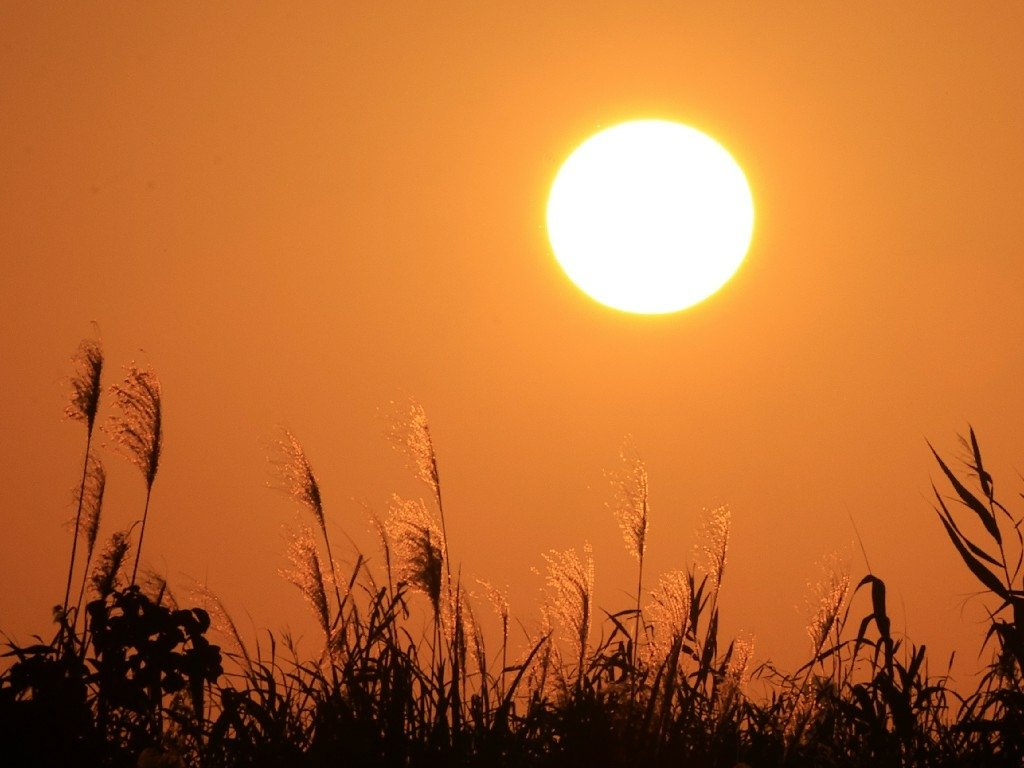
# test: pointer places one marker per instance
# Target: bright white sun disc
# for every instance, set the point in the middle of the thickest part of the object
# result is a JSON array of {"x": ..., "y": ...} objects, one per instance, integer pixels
[{"x": 650, "y": 216}]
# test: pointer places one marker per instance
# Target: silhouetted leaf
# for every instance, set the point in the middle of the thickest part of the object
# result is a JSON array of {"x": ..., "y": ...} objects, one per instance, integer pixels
[
  {"x": 984, "y": 575},
  {"x": 970, "y": 545},
  {"x": 983, "y": 477},
  {"x": 968, "y": 498}
]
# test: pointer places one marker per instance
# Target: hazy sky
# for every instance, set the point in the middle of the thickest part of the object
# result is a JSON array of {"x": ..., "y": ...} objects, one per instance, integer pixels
[{"x": 305, "y": 211}]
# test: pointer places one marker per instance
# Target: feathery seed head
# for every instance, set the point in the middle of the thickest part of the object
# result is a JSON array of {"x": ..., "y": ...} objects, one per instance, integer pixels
[
  {"x": 631, "y": 509},
  {"x": 307, "y": 574},
  {"x": 669, "y": 611},
  {"x": 85, "y": 383},
  {"x": 737, "y": 673},
  {"x": 155, "y": 587},
  {"x": 106, "y": 576},
  {"x": 382, "y": 535},
  {"x": 418, "y": 546},
  {"x": 412, "y": 437},
  {"x": 497, "y": 598},
  {"x": 570, "y": 593},
  {"x": 92, "y": 501},
  {"x": 473, "y": 633},
  {"x": 499, "y": 603},
  {"x": 739, "y": 664},
  {"x": 138, "y": 430},
  {"x": 220, "y": 619},
  {"x": 828, "y": 598},
  {"x": 714, "y": 543},
  {"x": 298, "y": 476}
]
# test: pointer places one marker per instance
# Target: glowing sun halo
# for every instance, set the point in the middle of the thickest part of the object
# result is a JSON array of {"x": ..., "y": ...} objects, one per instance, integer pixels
[{"x": 650, "y": 216}]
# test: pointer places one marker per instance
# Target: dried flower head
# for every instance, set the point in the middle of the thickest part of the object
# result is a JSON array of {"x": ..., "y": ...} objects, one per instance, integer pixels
[
  {"x": 739, "y": 663},
  {"x": 669, "y": 611},
  {"x": 497, "y": 598},
  {"x": 631, "y": 508},
  {"x": 473, "y": 633},
  {"x": 737, "y": 673},
  {"x": 92, "y": 502},
  {"x": 307, "y": 574},
  {"x": 385, "y": 545},
  {"x": 536, "y": 678},
  {"x": 412, "y": 437},
  {"x": 106, "y": 576},
  {"x": 570, "y": 594},
  {"x": 138, "y": 429},
  {"x": 298, "y": 476},
  {"x": 499, "y": 603},
  {"x": 827, "y": 600},
  {"x": 220, "y": 619},
  {"x": 714, "y": 543},
  {"x": 85, "y": 383},
  {"x": 418, "y": 546},
  {"x": 154, "y": 586}
]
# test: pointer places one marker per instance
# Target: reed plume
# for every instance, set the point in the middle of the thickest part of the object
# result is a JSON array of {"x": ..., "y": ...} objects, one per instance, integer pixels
[
  {"x": 220, "y": 619},
  {"x": 631, "y": 511},
  {"x": 82, "y": 406},
  {"x": 307, "y": 574},
  {"x": 669, "y": 613},
  {"x": 570, "y": 593},
  {"x": 155, "y": 587},
  {"x": 418, "y": 547},
  {"x": 499, "y": 604},
  {"x": 138, "y": 431},
  {"x": 631, "y": 504},
  {"x": 91, "y": 503},
  {"x": 828, "y": 599},
  {"x": 302, "y": 484},
  {"x": 106, "y": 576},
  {"x": 385, "y": 545},
  {"x": 85, "y": 384},
  {"x": 714, "y": 543},
  {"x": 737, "y": 675},
  {"x": 412, "y": 437}
]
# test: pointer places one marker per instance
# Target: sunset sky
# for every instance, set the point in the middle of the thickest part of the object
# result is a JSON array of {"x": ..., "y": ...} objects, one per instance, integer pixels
[{"x": 302, "y": 213}]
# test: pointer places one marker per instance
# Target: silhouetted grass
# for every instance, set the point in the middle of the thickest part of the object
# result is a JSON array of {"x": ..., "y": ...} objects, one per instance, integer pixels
[{"x": 404, "y": 676}]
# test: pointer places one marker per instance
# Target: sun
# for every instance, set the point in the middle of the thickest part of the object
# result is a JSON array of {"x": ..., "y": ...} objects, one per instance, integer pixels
[{"x": 650, "y": 216}]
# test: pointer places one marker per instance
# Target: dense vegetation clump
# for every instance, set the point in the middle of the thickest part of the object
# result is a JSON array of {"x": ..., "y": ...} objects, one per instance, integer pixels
[{"x": 131, "y": 679}]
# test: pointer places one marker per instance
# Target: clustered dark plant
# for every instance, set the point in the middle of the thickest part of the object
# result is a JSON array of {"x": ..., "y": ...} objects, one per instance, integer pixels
[{"x": 404, "y": 677}]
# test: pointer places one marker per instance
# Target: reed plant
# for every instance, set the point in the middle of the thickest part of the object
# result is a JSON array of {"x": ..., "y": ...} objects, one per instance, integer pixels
[
  {"x": 402, "y": 675},
  {"x": 137, "y": 432},
  {"x": 83, "y": 405}
]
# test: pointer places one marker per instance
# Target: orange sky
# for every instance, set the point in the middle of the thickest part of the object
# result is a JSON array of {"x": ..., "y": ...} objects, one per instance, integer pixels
[{"x": 305, "y": 211}]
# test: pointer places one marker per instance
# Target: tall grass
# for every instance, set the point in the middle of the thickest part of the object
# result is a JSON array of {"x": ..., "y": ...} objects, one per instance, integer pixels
[
  {"x": 82, "y": 406},
  {"x": 404, "y": 677},
  {"x": 137, "y": 431}
]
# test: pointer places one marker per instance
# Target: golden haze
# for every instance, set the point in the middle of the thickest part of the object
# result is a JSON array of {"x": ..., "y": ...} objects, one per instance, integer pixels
[{"x": 305, "y": 212}]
